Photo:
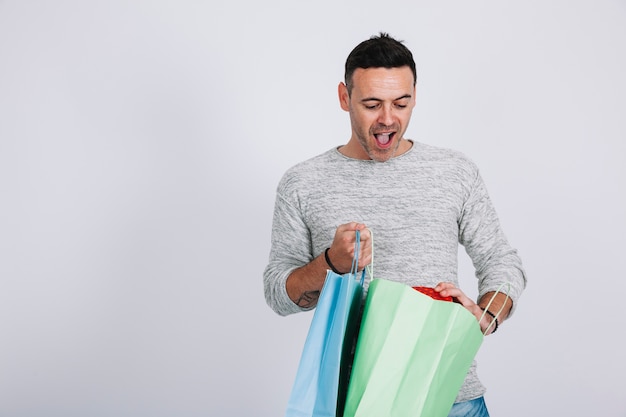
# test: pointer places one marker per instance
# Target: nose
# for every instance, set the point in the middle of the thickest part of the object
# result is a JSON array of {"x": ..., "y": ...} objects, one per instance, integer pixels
[{"x": 385, "y": 117}]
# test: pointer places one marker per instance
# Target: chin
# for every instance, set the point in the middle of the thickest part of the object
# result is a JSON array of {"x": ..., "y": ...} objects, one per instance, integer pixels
[{"x": 381, "y": 156}]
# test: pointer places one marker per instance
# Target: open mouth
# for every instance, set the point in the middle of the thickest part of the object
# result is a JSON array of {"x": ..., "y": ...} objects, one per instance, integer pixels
[{"x": 384, "y": 139}]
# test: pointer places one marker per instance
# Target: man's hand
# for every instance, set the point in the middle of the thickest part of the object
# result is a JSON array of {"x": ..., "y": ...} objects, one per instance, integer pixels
[
  {"x": 341, "y": 251},
  {"x": 447, "y": 289},
  {"x": 305, "y": 283}
]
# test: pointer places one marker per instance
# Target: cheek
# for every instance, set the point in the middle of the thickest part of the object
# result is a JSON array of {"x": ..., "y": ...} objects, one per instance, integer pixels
[
  {"x": 359, "y": 121},
  {"x": 366, "y": 121},
  {"x": 405, "y": 118}
]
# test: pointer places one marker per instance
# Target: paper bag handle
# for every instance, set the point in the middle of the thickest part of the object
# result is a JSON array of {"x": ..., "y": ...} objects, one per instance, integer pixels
[
  {"x": 493, "y": 322},
  {"x": 370, "y": 267},
  {"x": 355, "y": 260}
]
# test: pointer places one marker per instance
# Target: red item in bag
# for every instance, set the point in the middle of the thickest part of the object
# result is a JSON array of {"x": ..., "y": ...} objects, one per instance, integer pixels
[{"x": 432, "y": 293}]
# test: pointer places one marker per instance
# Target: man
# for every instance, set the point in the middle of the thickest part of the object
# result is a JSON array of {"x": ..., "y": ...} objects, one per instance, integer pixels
[{"x": 420, "y": 202}]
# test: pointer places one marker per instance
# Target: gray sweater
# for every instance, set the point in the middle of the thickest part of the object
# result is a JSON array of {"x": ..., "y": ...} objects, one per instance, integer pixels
[{"x": 419, "y": 206}]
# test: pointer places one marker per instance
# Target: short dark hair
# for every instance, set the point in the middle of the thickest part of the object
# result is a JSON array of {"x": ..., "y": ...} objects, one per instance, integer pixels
[{"x": 379, "y": 51}]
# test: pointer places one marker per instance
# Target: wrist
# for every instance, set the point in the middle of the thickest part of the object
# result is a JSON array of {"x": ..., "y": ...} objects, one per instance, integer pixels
[
  {"x": 330, "y": 264},
  {"x": 490, "y": 322}
]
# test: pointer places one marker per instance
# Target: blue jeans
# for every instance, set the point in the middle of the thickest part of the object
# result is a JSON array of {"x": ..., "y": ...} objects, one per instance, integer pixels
[{"x": 471, "y": 408}]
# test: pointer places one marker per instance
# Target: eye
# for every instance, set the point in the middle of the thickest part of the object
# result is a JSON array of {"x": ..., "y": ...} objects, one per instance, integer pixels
[{"x": 372, "y": 106}]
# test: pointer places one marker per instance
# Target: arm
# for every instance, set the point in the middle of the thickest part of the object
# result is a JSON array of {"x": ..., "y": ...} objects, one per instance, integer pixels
[
  {"x": 498, "y": 267},
  {"x": 296, "y": 271}
]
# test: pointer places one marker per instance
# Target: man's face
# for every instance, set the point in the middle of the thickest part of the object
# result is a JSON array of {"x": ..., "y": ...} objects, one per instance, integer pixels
[{"x": 380, "y": 108}]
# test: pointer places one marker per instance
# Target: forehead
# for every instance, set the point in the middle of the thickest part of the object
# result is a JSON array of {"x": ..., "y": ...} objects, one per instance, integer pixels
[{"x": 382, "y": 82}]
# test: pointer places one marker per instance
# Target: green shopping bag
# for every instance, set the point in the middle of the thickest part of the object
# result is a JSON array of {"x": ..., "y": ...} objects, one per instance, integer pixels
[{"x": 412, "y": 354}]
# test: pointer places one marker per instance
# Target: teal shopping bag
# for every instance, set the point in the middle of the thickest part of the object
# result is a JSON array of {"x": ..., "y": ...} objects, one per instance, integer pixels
[
  {"x": 412, "y": 354},
  {"x": 325, "y": 360}
]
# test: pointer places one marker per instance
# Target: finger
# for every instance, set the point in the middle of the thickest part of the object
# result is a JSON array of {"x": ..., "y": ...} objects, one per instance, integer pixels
[
  {"x": 448, "y": 289},
  {"x": 443, "y": 286},
  {"x": 363, "y": 231},
  {"x": 460, "y": 297},
  {"x": 352, "y": 226},
  {"x": 345, "y": 234},
  {"x": 366, "y": 234},
  {"x": 342, "y": 228},
  {"x": 366, "y": 242},
  {"x": 365, "y": 255}
]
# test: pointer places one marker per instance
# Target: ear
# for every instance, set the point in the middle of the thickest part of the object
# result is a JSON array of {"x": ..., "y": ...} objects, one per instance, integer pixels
[
  {"x": 414, "y": 98},
  {"x": 344, "y": 97}
]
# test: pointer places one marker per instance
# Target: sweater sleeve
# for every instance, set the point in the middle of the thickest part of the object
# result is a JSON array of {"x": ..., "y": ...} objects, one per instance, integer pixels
[
  {"x": 497, "y": 264},
  {"x": 290, "y": 249}
]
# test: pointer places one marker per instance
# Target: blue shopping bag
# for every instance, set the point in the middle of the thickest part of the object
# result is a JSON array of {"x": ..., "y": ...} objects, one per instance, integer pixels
[{"x": 326, "y": 356}]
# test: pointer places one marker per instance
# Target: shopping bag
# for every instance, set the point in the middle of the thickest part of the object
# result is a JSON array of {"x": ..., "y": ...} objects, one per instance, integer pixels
[
  {"x": 326, "y": 356},
  {"x": 412, "y": 354}
]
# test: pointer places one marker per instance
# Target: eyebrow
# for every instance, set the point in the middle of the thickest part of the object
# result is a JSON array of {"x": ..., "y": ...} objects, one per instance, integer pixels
[{"x": 379, "y": 100}]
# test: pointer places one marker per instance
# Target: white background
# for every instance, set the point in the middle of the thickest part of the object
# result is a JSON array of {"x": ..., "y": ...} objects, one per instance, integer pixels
[{"x": 141, "y": 143}]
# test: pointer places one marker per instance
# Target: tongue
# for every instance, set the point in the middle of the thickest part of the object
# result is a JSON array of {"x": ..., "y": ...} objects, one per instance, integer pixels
[{"x": 383, "y": 138}]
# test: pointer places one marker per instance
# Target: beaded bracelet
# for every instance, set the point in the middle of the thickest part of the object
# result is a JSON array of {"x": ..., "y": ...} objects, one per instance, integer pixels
[{"x": 333, "y": 266}]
